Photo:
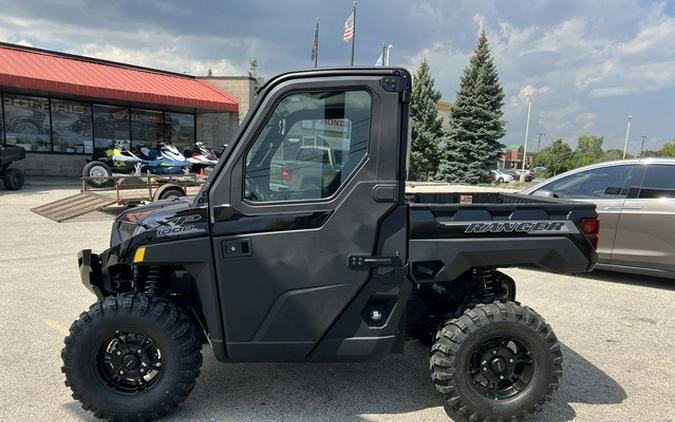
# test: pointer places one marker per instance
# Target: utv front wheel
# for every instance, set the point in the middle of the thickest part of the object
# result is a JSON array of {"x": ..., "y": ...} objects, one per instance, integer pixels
[
  {"x": 496, "y": 362},
  {"x": 132, "y": 357}
]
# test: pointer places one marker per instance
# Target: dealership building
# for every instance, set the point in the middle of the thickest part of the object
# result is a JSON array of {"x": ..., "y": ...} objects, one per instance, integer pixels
[{"x": 64, "y": 108}]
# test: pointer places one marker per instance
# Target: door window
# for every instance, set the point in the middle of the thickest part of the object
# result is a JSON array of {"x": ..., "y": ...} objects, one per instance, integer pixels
[
  {"x": 310, "y": 146},
  {"x": 659, "y": 182},
  {"x": 600, "y": 183}
]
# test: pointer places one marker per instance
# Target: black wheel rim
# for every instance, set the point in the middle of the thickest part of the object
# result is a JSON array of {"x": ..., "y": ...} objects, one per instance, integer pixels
[
  {"x": 17, "y": 179},
  {"x": 129, "y": 363},
  {"x": 500, "y": 368}
]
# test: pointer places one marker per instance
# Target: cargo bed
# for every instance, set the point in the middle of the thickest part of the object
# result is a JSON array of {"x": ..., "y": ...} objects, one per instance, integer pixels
[{"x": 452, "y": 232}]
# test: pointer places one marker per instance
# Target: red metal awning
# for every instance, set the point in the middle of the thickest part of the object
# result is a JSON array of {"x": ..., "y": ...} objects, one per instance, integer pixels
[{"x": 27, "y": 68}]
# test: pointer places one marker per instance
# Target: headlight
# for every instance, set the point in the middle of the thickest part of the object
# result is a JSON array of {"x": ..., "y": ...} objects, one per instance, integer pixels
[{"x": 123, "y": 230}]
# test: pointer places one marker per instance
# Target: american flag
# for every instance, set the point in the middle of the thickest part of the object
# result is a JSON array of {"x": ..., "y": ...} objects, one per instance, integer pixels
[{"x": 349, "y": 28}]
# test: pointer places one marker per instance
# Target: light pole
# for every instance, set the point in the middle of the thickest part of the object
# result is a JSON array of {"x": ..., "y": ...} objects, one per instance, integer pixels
[
  {"x": 625, "y": 143},
  {"x": 541, "y": 134},
  {"x": 527, "y": 130},
  {"x": 642, "y": 147}
]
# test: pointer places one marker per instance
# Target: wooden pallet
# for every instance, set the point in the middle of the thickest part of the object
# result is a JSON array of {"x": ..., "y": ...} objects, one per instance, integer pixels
[{"x": 73, "y": 206}]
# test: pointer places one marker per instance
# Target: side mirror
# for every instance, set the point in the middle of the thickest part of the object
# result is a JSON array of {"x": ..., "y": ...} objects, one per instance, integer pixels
[
  {"x": 612, "y": 190},
  {"x": 545, "y": 193}
]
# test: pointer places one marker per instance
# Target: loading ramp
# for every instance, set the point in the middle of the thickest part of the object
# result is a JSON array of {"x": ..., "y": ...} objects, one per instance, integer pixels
[{"x": 74, "y": 206}]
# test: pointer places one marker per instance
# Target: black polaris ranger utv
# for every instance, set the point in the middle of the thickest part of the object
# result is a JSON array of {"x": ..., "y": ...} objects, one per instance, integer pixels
[
  {"x": 12, "y": 177},
  {"x": 337, "y": 266}
]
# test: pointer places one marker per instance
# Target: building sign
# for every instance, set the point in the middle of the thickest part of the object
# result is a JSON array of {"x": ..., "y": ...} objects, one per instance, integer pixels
[{"x": 339, "y": 127}]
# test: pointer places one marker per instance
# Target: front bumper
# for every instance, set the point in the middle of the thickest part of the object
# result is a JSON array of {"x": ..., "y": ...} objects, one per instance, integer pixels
[{"x": 90, "y": 271}]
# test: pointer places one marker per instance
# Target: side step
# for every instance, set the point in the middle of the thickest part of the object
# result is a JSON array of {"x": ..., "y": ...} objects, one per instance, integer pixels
[{"x": 73, "y": 206}]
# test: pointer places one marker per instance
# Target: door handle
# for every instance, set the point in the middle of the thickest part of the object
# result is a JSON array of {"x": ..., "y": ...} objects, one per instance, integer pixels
[
  {"x": 616, "y": 208},
  {"x": 370, "y": 261}
]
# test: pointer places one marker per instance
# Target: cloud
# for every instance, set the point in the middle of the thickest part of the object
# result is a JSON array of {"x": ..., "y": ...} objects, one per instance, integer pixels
[
  {"x": 567, "y": 65},
  {"x": 144, "y": 47},
  {"x": 589, "y": 62}
]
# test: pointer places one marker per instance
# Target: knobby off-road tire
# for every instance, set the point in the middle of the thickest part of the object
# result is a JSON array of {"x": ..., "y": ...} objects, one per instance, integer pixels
[
  {"x": 152, "y": 341},
  {"x": 13, "y": 178},
  {"x": 477, "y": 348}
]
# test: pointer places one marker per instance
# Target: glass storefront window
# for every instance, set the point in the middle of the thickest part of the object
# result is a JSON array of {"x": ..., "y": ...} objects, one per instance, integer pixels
[
  {"x": 2, "y": 125},
  {"x": 27, "y": 122},
  {"x": 111, "y": 124},
  {"x": 67, "y": 128},
  {"x": 147, "y": 128},
  {"x": 180, "y": 129},
  {"x": 71, "y": 127}
]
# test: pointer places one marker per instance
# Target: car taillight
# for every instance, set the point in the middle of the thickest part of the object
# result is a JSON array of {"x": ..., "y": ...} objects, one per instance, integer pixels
[
  {"x": 286, "y": 174},
  {"x": 591, "y": 228}
]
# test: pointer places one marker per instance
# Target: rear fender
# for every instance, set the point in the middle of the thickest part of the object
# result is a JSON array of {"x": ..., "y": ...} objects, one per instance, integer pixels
[{"x": 438, "y": 260}]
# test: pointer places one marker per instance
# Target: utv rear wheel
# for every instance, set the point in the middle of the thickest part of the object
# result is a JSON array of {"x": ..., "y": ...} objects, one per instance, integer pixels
[
  {"x": 132, "y": 357},
  {"x": 12, "y": 178},
  {"x": 496, "y": 362}
]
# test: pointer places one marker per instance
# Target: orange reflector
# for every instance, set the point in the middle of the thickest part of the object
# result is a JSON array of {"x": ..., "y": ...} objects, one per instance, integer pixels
[{"x": 139, "y": 255}]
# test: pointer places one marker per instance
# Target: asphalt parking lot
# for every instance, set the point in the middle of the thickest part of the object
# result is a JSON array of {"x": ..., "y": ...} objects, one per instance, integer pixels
[{"x": 618, "y": 333}]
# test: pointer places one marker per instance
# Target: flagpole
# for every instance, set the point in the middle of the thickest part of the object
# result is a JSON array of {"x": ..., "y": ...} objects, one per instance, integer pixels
[
  {"x": 354, "y": 35},
  {"x": 316, "y": 41}
]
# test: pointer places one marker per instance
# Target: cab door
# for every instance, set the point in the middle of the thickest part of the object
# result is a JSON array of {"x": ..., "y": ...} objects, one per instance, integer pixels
[{"x": 296, "y": 240}]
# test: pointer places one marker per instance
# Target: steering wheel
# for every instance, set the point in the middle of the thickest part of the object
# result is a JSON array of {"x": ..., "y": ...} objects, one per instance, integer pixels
[{"x": 252, "y": 190}]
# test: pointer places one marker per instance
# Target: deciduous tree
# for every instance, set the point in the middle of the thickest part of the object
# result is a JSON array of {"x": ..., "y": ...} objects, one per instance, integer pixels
[
  {"x": 557, "y": 157},
  {"x": 589, "y": 150}
]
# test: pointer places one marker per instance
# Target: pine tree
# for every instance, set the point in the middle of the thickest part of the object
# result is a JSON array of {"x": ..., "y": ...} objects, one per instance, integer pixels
[
  {"x": 427, "y": 131},
  {"x": 472, "y": 147}
]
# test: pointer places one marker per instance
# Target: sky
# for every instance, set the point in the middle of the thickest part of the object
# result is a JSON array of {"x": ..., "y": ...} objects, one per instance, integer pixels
[{"x": 590, "y": 64}]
